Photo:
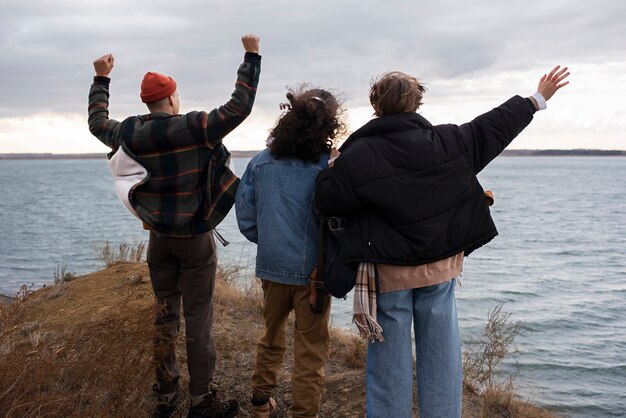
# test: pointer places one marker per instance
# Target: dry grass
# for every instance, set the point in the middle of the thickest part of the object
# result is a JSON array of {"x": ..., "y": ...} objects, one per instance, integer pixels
[
  {"x": 96, "y": 367},
  {"x": 483, "y": 358},
  {"x": 125, "y": 253},
  {"x": 61, "y": 275},
  {"x": 494, "y": 392},
  {"x": 502, "y": 402},
  {"x": 347, "y": 350},
  {"x": 86, "y": 351},
  {"x": 11, "y": 310},
  {"x": 98, "y": 370}
]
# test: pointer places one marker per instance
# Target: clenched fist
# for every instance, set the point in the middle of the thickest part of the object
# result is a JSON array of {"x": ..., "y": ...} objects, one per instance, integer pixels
[
  {"x": 104, "y": 65},
  {"x": 250, "y": 43}
]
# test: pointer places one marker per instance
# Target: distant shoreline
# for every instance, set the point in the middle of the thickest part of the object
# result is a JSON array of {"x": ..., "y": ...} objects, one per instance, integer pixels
[
  {"x": 92, "y": 156},
  {"x": 563, "y": 153},
  {"x": 249, "y": 154}
]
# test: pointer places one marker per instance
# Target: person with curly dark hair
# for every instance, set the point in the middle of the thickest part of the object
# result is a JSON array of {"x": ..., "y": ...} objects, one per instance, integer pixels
[
  {"x": 274, "y": 206},
  {"x": 309, "y": 127}
]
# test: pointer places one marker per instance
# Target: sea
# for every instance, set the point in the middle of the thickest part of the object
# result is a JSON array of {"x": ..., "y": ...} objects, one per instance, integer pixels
[{"x": 558, "y": 266}]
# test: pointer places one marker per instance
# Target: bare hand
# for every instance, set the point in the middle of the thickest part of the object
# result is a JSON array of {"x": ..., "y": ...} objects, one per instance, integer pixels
[
  {"x": 104, "y": 65},
  {"x": 250, "y": 43},
  {"x": 549, "y": 84}
]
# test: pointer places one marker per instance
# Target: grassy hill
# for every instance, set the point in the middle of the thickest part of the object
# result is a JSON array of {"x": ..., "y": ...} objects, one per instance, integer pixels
[{"x": 83, "y": 348}]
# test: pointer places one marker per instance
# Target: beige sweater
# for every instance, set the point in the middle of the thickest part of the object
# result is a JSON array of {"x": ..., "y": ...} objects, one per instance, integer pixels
[{"x": 393, "y": 277}]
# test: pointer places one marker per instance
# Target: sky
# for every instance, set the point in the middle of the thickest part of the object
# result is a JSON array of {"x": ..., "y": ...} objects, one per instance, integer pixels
[{"x": 472, "y": 56}]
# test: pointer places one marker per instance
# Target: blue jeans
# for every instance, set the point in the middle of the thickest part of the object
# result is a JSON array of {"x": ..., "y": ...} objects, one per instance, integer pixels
[{"x": 389, "y": 376}]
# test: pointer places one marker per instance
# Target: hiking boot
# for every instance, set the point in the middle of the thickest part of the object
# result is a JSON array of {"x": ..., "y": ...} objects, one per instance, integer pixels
[
  {"x": 264, "y": 408},
  {"x": 211, "y": 407},
  {"x": 169, "y": 405},
  {"x": 213, "y": 389}
]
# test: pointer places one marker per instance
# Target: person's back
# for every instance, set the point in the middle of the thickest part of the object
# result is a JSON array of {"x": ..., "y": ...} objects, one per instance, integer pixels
[
  {"x": 414, "y": 209},
  {"x": 418, "y": 180},
  {"x": 187, "y": 188},
  {"x": 275, "y": 210},
  {"x": 287, "y": 231},
  {"x": 178, "y": 196},
  {"x": 171, "y": 171}
]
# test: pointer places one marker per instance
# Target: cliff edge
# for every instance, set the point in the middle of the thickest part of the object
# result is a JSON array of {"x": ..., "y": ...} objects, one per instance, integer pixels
[{"x": 84, "y": 348}]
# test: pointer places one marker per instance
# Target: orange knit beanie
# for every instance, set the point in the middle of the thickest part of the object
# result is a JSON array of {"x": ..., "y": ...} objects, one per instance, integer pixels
[{"x": 156, "y": 86}]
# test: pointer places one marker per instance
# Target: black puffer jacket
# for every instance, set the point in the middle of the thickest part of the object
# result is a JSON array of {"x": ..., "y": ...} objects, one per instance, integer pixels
[{"x": 409, "y": 189}]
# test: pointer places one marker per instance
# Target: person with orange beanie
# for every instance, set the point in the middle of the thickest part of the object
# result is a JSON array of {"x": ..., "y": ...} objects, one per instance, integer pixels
[{"x": 172, "y": 171}]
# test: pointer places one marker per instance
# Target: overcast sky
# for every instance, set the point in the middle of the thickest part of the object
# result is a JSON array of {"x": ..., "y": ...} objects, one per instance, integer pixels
[{"x": 471, "y": 55}]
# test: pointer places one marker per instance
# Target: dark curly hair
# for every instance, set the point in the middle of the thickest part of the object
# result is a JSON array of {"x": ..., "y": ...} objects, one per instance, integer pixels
[{"x": 312, "y": 121}]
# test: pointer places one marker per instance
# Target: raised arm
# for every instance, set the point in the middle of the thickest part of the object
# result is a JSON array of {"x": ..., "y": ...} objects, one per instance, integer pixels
[
  {"x": 212, "y": 127},
  {"x": 100, "y": 125},
  {"x": 485, "y": 137}
]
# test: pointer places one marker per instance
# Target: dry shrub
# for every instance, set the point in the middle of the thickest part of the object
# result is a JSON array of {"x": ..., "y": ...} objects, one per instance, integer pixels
[
  {"x": 225, "y": 280},
  {"x": 135, "y": 280},
  {"x": 483, "y": 359},
  {"x": 11, "y": 311},
  {"x": 125, "y": 253},
  {"x": 101, "y": 368},
  {"x": 61, "y": 275},
  {"x": 482, "y": 376},
  {"x": 29, "y": 328},
  {"x": 55, "y": 291},
  {"x": 347, "y": 349},
  {"x": 243, "y": 294},
  {"x": 228, "y": 274},
  {"x": 502, "y": 401}
]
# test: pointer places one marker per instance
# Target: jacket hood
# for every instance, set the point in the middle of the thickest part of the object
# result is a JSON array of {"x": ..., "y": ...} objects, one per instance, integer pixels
[{"x": 389, "y": 124}]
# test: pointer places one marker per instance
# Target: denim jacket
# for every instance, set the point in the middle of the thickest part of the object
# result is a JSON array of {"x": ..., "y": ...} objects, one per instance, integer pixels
[{"x": 275, "y": 209}]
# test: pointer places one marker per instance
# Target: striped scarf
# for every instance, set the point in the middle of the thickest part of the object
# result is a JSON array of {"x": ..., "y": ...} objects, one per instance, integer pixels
[{"x": 365, "y": 303}]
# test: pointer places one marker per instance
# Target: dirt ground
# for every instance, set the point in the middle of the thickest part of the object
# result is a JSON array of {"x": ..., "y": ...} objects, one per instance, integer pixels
[{"x": 55, "y": 318}]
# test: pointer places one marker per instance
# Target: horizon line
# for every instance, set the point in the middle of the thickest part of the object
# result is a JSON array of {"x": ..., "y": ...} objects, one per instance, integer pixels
[{"x": 244, "y": 153}]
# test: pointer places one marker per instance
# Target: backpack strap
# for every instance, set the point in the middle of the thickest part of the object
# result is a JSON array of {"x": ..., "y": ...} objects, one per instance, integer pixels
[{"x": 317, "y": 292}]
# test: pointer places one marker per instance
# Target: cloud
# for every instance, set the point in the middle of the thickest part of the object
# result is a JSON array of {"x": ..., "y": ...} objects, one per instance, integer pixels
[
  {"x": 47, "y": 47},
  {"x": 47, "y": 132}
]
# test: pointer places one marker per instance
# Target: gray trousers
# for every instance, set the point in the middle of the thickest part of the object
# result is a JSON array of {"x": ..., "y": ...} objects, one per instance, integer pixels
[{"x": 183, "y": 267}]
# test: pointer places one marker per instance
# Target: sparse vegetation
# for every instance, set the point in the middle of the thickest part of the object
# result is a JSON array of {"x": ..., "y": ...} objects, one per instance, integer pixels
[
  {"x": 55, "y": 291},
  {"x": 135, "y": 280},
  {"x": 30, "y": 327},
  {"x": 125, "y": 253},
  {"x": 482, "y": 375},
  {"x": 229, "y": 274},
  {"x": 11, "y": 312},
  {"x": 88, "y": 367},
  {"x": 89, "y": 353},
  {"x": 348, "y": 349},
  {"x": 61, "y": 275},
  {"x": 483, "y": 358}
]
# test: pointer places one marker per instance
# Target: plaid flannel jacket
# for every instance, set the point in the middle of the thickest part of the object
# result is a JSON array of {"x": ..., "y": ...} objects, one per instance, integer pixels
[{"x": 189, "y": 188}]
